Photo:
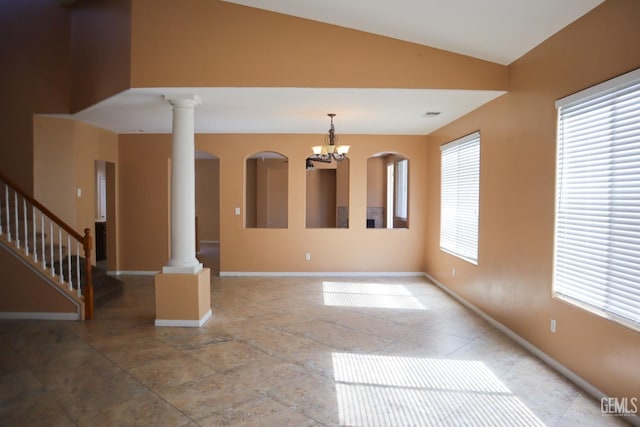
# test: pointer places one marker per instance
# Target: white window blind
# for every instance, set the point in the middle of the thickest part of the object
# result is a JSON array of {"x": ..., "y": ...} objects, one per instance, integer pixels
[
  {"x": 460, "y": 181},
  {"x": 597, "y": 237},
  {"x": 402, "y": 180}
]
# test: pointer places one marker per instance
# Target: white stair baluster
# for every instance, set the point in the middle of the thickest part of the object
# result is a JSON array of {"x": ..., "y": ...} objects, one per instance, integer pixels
[
  {"x": 7, "y": 212},
  {"x": 35, "y": 244},
  {"x": 53, "y": 272},
  {"x": 44, "y": 257},
  {"x": 60, "y": 254},
  {"x": 26, "y": 226},
  {"x": 69, "y": 261},
  {"x": 17, "y": 228}
]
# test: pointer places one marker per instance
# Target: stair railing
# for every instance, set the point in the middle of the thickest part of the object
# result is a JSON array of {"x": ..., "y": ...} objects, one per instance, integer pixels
[{"x": 40, "y": 235}]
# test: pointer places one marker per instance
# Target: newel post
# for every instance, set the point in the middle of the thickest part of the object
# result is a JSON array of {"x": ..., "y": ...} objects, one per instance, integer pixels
[{"x": 87, "y": 244}]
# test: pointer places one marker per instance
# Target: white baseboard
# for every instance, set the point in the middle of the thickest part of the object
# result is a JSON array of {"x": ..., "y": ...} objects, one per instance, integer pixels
[
  {"x": 321, "y": 274},
  {"x": 178, "y": 323},
  {"x": 38, "y": 316},
  {"x": 572, "y": 376}
]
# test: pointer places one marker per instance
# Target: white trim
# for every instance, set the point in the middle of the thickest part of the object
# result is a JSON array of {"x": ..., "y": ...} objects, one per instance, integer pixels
[
  {"x": 177, "y": 323},
  {"x": 462, "y": 140},
  {"x": 572, "y": 376},
  {"x": 322, "y": 273},
  {"x": 609, "y": 85},
  {"x": 38, "y": 315},
  {"x": 132, "y": 273}
]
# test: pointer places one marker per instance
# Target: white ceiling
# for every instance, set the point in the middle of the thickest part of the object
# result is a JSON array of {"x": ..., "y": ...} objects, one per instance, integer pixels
[{"x": 496, "y": 30}]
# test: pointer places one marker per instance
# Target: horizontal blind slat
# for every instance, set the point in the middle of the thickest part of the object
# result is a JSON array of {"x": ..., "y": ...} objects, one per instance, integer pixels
[{"x": 597, "y": 238}]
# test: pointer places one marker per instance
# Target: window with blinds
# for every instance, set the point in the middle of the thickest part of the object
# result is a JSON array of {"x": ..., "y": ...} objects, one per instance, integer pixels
[
  {"x": 402, "y": 181},
  {"x": 597, "y": 234},
  {"x": 460, "y": 185}
]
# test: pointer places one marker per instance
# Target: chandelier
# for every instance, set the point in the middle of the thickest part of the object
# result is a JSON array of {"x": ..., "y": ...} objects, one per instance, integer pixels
[{"x": 329, "y": 151}]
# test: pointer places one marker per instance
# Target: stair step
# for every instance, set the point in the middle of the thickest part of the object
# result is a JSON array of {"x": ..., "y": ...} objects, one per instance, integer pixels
[{"x": 105, "y": 287}]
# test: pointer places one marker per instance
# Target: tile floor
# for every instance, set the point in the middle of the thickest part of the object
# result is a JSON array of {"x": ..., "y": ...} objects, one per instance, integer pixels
[{"x": 283, "y": 351}]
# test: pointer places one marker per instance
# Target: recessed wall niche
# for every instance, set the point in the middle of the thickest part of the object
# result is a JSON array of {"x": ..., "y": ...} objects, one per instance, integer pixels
[
  {"x": 387, "y": 191},
  {"x": 267, "y": 190},
  {"x": 327, "y": 194}
]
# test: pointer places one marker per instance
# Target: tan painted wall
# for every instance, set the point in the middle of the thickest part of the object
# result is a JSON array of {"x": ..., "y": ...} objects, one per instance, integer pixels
[
  {"x": 23, "y": 291},
  {"x": 214, "y": 43},
  {"x": 208, "y": 199},
  {"x": 100, "y": 50},
  {"x": 321, "y": 199},
  {"x": 91, "y": 144},
  {"x": 143, "y": 187},
  {"x": 353, "y": 249},
  {"x": 54, "y": 161},
  {"x": 144, "y": 201},
  {"x": 272, "y": 193},
  {"x": 34, "y": 78},
  {"x": 513, "y": 279},
  {"x": 65, "y": 152},
  {"x": 376, "y": 182}
]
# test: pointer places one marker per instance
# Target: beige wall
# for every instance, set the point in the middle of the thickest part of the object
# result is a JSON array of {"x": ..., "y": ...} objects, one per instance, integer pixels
[
  {"x": 143, "y": 202},
  {"x": 223, "y": 44},
  {"x": 208, "y": 199},
  {"x": 353, "y": 249},
  {"x": 54, "y": 161},
  {"x": 100, "y": 50},
  {"x": 23, "y": 291},
  {"x": 65, "y": 152},
  {"x": 513, "y": 279},
  {"x": 272, "y": 177},
  {"x": 34, "y": 78}
]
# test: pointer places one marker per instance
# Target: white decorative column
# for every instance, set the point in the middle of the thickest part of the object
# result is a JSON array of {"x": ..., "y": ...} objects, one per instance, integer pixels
[
  {"x": 183, "y": 289},
  {"x": 183, "y": 199}
]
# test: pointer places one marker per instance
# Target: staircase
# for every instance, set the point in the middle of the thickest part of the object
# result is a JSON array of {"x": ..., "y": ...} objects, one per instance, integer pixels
[
  {"x": 52, "y": 249},
  {"x": 105, "y": 287}
]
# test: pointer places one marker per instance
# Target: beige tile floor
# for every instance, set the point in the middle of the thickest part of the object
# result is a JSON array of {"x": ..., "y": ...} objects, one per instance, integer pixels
[{"x": 283, "y": 351}]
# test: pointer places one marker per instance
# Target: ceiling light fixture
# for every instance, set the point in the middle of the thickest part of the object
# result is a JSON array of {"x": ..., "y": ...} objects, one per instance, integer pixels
[{"x": 329, "y": 151}]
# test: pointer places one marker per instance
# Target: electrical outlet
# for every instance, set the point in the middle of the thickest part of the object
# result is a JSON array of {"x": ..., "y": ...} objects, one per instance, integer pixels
[
  {"x": 237, "y": 211},
  {"x": 553, "y": 326},
  {"x": 453, "y": 272},
  {"x": 307, "y": 256}
]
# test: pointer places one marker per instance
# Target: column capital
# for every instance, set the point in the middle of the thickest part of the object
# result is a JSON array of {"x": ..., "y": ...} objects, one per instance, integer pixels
[{"x": 183, "y": 100}]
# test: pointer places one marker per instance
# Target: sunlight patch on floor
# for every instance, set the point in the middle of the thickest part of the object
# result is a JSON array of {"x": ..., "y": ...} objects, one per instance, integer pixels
[
  {"x": 391, "y": 390},
  {"x": 369, "y": 295}
]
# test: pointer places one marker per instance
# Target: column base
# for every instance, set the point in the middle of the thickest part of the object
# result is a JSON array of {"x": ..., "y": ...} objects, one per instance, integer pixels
[{"x": 183, "y": 300}]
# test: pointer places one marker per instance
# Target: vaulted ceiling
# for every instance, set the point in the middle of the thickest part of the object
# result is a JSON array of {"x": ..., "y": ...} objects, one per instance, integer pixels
[{"x": 494, "y": 30}]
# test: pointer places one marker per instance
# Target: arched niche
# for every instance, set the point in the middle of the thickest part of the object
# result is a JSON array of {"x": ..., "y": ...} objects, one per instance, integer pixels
[
  {"x": 387, "y": 191},
  {"x": 267, "y": 190},
  {"x": 327, "y": 185}
]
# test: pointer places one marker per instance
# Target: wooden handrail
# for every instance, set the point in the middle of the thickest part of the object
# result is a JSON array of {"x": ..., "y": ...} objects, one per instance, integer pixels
[{"x": 87, "y": 241}]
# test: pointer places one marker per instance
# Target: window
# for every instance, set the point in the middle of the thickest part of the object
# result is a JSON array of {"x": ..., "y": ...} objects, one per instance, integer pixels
[
  {"x": 401, "y": 188},
  {"x": 460, "y": 183},
  {"x": 597, "y": 235},
  {"x": 388, "y": 191}
]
